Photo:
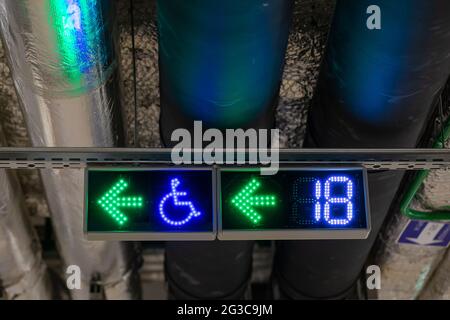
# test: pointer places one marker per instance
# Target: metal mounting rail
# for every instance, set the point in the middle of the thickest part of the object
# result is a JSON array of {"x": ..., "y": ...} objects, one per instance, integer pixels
[{"x": 373, "y": 159}]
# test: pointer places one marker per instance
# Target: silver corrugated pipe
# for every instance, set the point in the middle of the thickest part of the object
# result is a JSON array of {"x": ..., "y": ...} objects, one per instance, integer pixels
[
  {"x": 63, "y": 57},
  {"x": 23, "y": 273}
]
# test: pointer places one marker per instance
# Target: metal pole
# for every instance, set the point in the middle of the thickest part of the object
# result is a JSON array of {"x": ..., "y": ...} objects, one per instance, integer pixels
[{"x": 221, "y": 62}]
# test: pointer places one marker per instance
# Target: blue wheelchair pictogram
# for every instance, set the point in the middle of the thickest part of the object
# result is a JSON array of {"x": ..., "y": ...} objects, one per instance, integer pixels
[{"x": 174, "y": 183}]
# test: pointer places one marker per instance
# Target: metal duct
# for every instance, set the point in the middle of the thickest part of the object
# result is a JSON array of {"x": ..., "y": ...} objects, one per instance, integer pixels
[
  {"x": 23, "y": 273},
  {"x": 63, "y": 58},
  {"x": 416, "y": 271},
  {"x": 376, "y": 89},
  {"x": 439, "y": 285}
]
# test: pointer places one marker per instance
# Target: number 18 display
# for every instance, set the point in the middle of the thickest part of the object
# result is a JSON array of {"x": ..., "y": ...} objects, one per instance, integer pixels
[{"x": 309, "y": 203}]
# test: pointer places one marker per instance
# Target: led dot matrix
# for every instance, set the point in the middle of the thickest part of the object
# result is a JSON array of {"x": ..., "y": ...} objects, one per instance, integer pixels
[
  {"x": 175, "y": 194},
  {"x": 111, "y": 202},
  {"x": 324, "y": 198},
  {"x": 338, "y": 200},
  {"x": 244, "y": 201}
]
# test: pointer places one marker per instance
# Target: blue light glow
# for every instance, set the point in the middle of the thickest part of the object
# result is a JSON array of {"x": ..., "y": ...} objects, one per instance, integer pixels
[
  {"x": 222, "y": 61},
  {"x": 324, "y": 200},
  {"x": 175, "y": 194},
  {"x": 373, "y": 72}
]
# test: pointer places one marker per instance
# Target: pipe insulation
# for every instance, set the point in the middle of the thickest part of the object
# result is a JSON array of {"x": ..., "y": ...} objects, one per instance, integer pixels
[
  {"x": 413, "y": 271},
  {"x": 23, "y": 273},
  {"x": 221, "y": 62},
  {"x": 64, "y": 62}
]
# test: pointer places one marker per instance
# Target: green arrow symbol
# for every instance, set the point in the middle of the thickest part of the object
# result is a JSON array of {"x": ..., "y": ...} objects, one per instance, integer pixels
[
  {"x": 245, "y": 201},
  {"x": 111, "y": 202}
]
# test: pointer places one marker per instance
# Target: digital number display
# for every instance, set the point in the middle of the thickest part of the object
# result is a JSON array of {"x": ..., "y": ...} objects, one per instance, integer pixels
[
  {"x": 150, "y": 204},
  {"x": 293, "y": 204}
]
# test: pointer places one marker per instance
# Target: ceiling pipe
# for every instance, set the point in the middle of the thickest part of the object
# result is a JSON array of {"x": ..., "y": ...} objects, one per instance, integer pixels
[
  {"x": 221, "y": 63},
  {"x": 23, "y": 273},
  {"x": 377, "y": 89},
  {"x": 63, "y": 58}
]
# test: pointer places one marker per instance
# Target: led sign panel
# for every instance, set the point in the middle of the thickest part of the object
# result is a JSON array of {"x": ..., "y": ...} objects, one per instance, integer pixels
[
  {"x": 150, "y": 204},
  {"x": 298, "y": 203}
]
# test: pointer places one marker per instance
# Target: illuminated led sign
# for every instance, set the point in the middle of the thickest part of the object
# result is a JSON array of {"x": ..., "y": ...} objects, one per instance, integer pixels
[
  {"x": 175, "y": 195},
  {"x": 149, "y": 204},
  {"x": 309, "y": 203},
  {"x": 245, "y": 201},
  {"x": 183, "y": 204}
]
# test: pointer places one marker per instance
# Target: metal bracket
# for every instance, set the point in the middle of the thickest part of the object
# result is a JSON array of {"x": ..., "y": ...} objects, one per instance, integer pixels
[{"x": 79, "y": 158}]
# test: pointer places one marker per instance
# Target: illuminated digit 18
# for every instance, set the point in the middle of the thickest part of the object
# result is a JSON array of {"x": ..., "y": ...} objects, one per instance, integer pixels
[
  {"x": 324, "y": 201},
  {"x": 330, "y": 201}
]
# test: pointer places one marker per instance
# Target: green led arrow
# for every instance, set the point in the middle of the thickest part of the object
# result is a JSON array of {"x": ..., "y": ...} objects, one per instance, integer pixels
[
  {"x": 244, "y": 201},
  {"x": 111, "y": 202}
]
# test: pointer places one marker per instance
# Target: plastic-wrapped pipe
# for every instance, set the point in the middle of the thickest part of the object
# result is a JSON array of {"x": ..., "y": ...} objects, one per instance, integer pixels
[
  {"x": 23, "y": 273},
  {"x": 63, "y": 59},
  {"x": 221, "y": 62},
  {"x": 377, "y": 88}
]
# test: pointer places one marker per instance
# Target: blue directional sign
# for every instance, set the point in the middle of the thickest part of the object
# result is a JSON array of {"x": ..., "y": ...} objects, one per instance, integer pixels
[
  {"x": 149, "y": 204},
  {"x": 424, "y": 233}
]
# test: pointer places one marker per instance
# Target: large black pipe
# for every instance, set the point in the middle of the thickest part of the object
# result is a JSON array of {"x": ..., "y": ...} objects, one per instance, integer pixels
[
  {"x": 376, "y": 89},
  {"x": 221, "y": 62},
  {"x": 208, "y": 270}
]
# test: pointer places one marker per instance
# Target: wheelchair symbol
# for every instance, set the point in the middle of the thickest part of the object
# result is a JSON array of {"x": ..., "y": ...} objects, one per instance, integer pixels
[{"x": 175, "y": 194}]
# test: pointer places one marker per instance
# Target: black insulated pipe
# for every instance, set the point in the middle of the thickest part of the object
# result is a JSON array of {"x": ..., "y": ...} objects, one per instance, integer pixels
[
  {"x": 377, "y": 88},
  {"x": 208, "y": 270},
  {"x": 221, "y": 62}
]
